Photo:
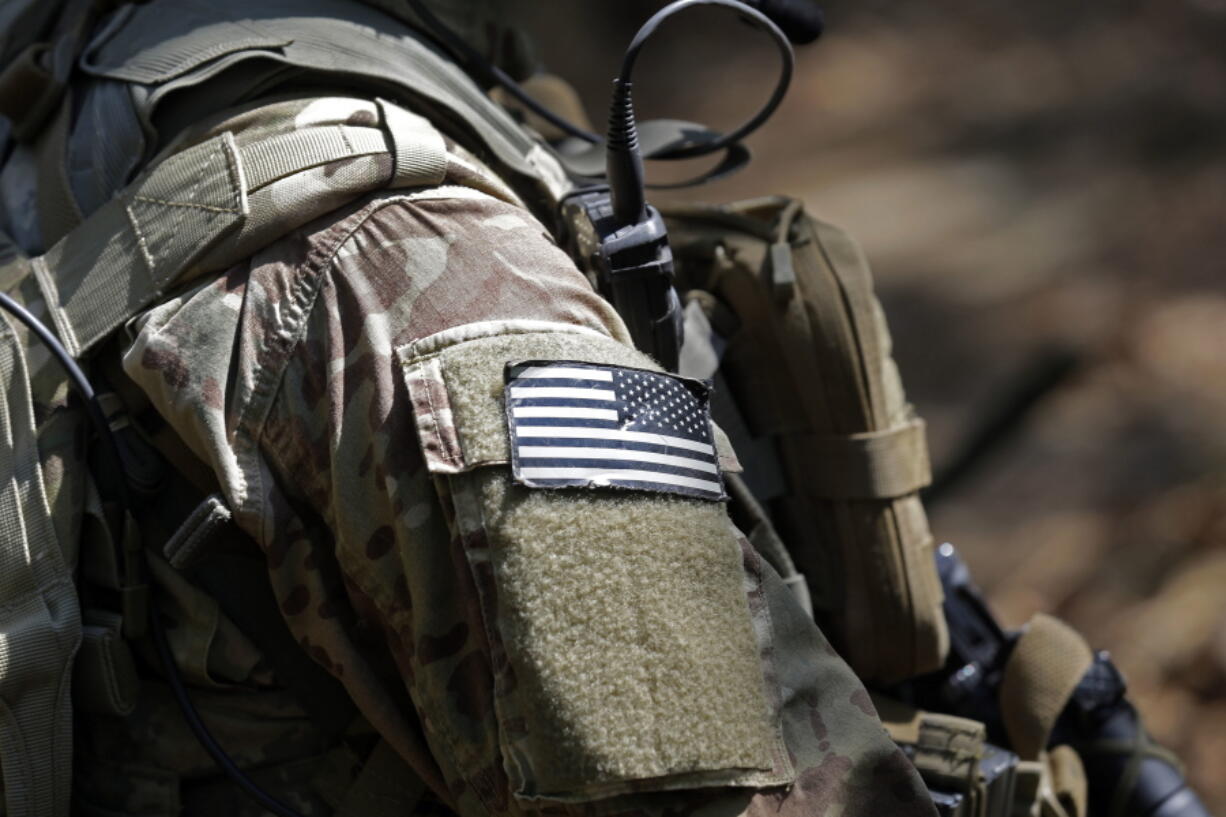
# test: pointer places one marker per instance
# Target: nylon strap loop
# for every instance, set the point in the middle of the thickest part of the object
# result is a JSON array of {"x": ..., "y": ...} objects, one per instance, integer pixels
[
  {"x": 418, "y": 151},
  {"x": 1044, "y": 669},
  {"x": 268, "y": 160},
  {"x": 867, "y": 465}
]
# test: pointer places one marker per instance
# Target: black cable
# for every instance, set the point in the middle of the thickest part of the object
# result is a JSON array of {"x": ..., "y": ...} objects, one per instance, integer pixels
[
  {"x": 202, "y": 733},
  {"x": 756, "y": 121},
  {"x": 478, "y": 64},
  {"x": 110, "y": 442},
  {"x": 624, "y": 160},
  {"x": 112, "y": 445}
]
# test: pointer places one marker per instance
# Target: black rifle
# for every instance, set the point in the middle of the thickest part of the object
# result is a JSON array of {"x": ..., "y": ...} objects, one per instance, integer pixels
[{"x": 1127, "y": 774}]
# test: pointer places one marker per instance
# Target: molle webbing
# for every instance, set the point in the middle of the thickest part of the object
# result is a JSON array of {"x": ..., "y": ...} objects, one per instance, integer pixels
[
  {"x": 867, "y": 465},
  {"x": 201, "y": 210},
  {"x": 40, "y": 618}
]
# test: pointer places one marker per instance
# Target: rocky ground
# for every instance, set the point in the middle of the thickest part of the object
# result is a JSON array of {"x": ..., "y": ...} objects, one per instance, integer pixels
[{"x": 1033, "y": 182}]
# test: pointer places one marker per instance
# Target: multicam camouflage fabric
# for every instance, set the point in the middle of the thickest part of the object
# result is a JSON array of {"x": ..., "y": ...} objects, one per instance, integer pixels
[
  {"x": 318, "y": 442},
  {"x": 281, "y": 379}
]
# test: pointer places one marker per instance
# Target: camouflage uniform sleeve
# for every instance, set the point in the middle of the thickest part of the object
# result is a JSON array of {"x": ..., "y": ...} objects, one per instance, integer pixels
[{"x": 341, "y": 386}]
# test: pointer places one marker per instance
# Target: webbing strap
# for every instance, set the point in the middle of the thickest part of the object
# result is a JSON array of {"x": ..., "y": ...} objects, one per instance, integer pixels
[
  {"x": 127, "y": 253},
  {"x": 1046, "y": 665},
  {"x": 39, "y": 617},
  {"x": 290, "y": 153},
  {"x": 173, "y": 223},
  {"x": 948, "y": 749},
  {"x": 867, "y": 465}
]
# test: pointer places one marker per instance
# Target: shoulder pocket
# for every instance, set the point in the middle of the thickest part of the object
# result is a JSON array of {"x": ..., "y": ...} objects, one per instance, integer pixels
[{"x": 625, "y": 654}]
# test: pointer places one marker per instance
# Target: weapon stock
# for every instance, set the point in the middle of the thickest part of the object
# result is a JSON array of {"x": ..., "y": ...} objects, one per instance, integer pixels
[{"x": 1127, "y": 773}]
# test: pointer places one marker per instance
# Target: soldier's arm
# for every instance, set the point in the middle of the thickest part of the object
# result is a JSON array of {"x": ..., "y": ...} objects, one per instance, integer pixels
[{"x": 346, "y": 386}]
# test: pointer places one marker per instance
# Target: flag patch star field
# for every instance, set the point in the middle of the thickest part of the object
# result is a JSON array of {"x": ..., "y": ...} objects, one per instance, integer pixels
[{"x": 584, "y": 425}]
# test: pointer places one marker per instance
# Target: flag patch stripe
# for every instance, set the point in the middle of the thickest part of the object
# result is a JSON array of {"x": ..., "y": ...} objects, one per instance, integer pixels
[
  {"x": 615, "y": 435},
  {"x": 565, "y": 411},
  {"x": 560, "y": 373},
  {"x": 575, "y": 424},
  {"x": 564, "y": 423},
  {"x": 528, "y": 392},
  {"x": 562, "y": 452}
]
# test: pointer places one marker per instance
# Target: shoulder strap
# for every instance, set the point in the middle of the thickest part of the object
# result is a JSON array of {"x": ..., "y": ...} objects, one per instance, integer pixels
[
  {"x": 206, "y": 207},
  {"x": 39, "y": 617},
  {"x": 169, "y": 48}
]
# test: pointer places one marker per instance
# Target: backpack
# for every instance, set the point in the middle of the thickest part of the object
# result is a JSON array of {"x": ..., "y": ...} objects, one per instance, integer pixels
[{"x": 814, "y": 406}]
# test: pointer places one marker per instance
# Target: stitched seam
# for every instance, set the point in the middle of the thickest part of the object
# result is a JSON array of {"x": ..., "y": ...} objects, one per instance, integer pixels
[
  {"x": 450, "y": 455},
  {"x": 204, "y": 169},
  {"x": 140, "y": 241},
  {"x": 208, "y": 207},
  {"x": 233, "y": 157},
  {"x": 252, "y": 420}
]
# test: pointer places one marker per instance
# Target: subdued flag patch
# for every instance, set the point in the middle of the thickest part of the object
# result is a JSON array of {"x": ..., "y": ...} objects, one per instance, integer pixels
[{"x": 585, "y": 425}]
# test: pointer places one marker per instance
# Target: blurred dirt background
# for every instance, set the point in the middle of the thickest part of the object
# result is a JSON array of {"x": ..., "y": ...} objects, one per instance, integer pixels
[{"x": 1034, "y": 183}]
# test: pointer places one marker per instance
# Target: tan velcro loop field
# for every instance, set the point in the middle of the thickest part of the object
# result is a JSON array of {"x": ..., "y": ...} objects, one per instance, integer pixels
[
  {"x": 582, "y": 589},
  {"x": 1044, "y": 669},
  {"x": 869, "y": 465}
]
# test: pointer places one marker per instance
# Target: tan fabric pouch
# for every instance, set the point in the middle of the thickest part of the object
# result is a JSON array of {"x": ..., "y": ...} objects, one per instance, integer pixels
[
  {"x": 624, "y": 652},
  {"x": 808, "y": 367}
]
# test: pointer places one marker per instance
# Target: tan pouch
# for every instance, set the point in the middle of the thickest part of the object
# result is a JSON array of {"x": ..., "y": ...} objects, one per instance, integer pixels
[
  {"x": 808, "y": 365},
  {"x": 624, "y": 652}
]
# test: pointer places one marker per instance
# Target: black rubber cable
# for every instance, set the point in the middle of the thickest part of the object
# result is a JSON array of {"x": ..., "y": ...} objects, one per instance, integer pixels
[
  {"x": 112, "y": 445},
  {"x": 755, "y": 17},
  {"x": 201, "y": 731},
  {"x": 477, "y": 63}
]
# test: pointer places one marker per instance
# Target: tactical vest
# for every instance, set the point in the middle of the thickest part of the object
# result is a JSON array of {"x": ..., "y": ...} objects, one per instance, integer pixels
[{"x": 780, "y": 312}]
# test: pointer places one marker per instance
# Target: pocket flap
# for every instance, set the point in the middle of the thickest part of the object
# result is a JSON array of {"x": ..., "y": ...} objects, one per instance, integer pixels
[{"x": 455, "y": 382}]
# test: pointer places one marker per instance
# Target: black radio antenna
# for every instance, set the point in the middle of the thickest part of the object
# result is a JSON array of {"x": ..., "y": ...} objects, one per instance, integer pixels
[{"x": 800, "y": 19}]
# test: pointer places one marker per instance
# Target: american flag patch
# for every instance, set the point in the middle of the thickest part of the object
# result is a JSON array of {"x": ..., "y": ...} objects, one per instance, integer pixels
[{"x": 584, "y": 425}]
